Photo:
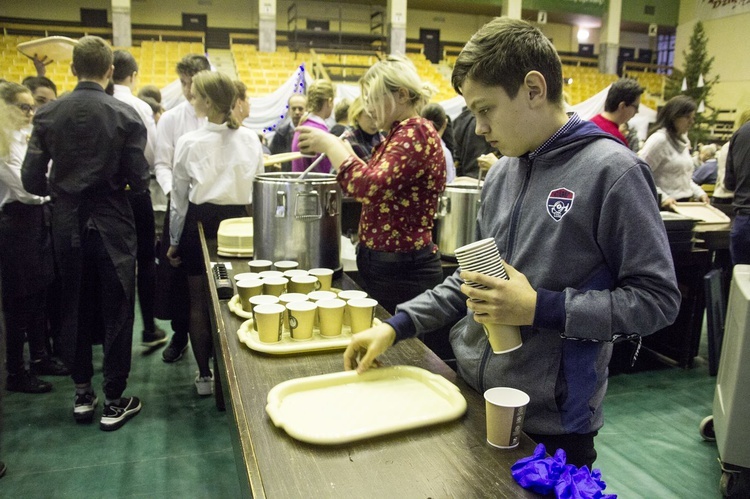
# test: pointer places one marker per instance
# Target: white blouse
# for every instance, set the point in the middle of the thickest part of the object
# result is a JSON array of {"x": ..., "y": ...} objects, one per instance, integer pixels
[
  {"x": 671, "y": 165},
  {"x": 214, "y": 164},
  {"x": 11, "y": 187},
  {"x": 172, "y": 125}
]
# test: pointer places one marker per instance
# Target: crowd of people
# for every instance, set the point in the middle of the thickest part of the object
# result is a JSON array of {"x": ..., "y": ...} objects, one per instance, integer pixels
[{"x": 88, "y": 181}]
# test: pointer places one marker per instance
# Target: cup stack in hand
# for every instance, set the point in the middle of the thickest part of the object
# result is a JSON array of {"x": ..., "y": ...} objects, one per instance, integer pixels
[{"x": 483, "y": 257}]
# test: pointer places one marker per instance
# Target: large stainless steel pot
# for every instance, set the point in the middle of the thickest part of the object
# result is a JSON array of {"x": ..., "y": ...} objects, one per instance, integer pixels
[
  {"x": 297, "y": 219},
  {"x": 456, "y": 217}
]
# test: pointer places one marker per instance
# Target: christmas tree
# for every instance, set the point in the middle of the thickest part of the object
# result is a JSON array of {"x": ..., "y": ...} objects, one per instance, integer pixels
[{"x": 694, "y": 80}]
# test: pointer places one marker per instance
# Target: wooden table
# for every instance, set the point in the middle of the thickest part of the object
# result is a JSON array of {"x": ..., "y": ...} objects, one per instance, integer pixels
[{"x": 448, "y": 460}]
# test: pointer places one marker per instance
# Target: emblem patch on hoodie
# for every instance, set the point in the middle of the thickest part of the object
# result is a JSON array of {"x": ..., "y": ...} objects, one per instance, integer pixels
[{"x": 559, "y": 202}]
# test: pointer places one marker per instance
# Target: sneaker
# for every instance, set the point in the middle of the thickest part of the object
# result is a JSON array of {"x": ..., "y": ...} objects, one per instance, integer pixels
[
  {"x": 154, "y": 338},
  {"x": 84, "y": 406},
  {"x": 204, "y": 384},
  {"x": 48, "y": 366},
  {"x": 174, "y": 351},
  {"x": 119, "y": 412},
  {"x": 26, "y": 382}
]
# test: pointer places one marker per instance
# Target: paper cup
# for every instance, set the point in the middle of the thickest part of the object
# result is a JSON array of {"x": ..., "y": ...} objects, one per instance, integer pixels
[
  {"x": 285, "y": 265},
  {"x": 261, "y": 300},
  {"x": 325, "y": 276},
  {"x": 275, "y": 285},
  {"x": 331, "y": 316},
  {"x": 245, "y": 275},
  {"x": 361, "y": 313},
  {"x": 505, "y": 409},
  {"x": 268, "y": 322},
  {"x": 259, "y": 265},
  {"x": 294, "y": 273},
  {"x": 271, "y": 273},
  {"x": 247, "y": 288},
  {"x": 503, "y": 338},
  {"x": 303, "y": 284},
  {"x": 301, "y": 319},
  {"x": 288, "y": 298},
  {"x": 350, "y": 294}
]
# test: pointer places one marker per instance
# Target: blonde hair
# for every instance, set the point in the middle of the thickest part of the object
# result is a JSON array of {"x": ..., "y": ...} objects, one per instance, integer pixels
[
  {"x": 742, "y": 118},
  {"x": 221, "y": 90},
  {"x": 355, "y": 110},
  {"x": 318, "y": 93},
  {"x": 389, "y": 75},
  {"x": 10, "y": 118}
]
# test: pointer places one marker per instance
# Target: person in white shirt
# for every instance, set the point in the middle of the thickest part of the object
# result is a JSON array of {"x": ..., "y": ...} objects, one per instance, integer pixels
[
  {"x": 667, "y": 152},
  {"x": 436, "y": 114},
  {"x": 214, "y": 169},
  {"x": 124, "y": 77},
  {"x": 173, "y": 124}
]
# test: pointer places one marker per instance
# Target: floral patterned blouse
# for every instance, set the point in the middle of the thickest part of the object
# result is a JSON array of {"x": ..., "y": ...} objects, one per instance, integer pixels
[{"x": 398, "y": 187}]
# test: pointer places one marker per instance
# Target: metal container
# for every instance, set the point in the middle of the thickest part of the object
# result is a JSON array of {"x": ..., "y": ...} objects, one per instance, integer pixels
[
  {"x": 456, "y": 218},
  {"x": 297, "y": 219}
]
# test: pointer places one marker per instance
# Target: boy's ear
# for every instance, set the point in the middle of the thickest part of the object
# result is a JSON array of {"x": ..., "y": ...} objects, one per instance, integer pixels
[{"x": 535, "y": 87}]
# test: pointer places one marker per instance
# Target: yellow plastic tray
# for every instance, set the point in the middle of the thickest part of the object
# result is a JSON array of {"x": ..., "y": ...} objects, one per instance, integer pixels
[
  {"x": 344, "y": 407},
  {"x": 287, "y": 345},
  {"x": 235, "y": 237}
]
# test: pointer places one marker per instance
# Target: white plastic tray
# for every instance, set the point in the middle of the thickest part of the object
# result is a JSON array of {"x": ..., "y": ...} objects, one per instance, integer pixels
[
  {"x": 708, "y": 216},
  {"x": 56, "y": 48},
  {"x": 287, "y": 345},
  {"x": 345, "y": 406}
]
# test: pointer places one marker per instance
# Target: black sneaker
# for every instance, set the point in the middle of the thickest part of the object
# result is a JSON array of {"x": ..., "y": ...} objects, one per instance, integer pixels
[
  {"x": 174, "y": 351},
  {"x": 154, "y": 338},
  {"x": 26, "y": 382},
  {"x": 84, "y": 406},
  {"x": 118, "y": 412},
  {"x": 48, "y": 366}
]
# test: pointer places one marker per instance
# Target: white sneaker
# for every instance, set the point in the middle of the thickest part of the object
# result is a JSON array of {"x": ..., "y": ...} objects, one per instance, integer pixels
[{"x": 204, "y": 384}]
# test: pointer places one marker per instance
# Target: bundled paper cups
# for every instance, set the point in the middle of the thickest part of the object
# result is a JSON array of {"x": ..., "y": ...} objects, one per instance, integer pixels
[{"x": 484, "y": 258}]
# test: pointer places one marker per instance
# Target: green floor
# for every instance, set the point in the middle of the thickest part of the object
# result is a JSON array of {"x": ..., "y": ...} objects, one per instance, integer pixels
[{"x": 179, "y": 445}]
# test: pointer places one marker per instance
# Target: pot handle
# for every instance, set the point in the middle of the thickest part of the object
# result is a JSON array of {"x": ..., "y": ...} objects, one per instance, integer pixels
[
  {"x": 444, "y": 206},
  {"x": 280, "y": 204},
  {"x": 332, "y": 206}
]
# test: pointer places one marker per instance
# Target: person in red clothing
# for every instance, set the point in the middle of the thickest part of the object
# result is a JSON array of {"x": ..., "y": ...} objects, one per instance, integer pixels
[
  {"x": 398, "y": 187},
  {"x": 623, "y": 100}
]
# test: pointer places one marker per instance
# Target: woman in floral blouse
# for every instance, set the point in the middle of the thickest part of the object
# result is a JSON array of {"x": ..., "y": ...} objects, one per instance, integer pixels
[{"x": 398, "y": 187}]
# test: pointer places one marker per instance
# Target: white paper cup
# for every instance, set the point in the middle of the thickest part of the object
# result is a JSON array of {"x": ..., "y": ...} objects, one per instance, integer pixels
[
  {"x": 316, "y": 296},
  {"x": 294, "y": 273},
  {"x": 268, "y": 320},
  {"x": 303, "y": 284},
  {"x": 505, "y": 409},
  {"x": 259, "y": 265},
  {"x": 246, "y": 289},
  {"x": 361, "y": 313},
  {"x": 261, "y": 300},
  {"x": 331, "y": 316},
  {"x": 287, "y": 298},
  {"x": 301, "y": 319},
  {"x": 475, "y": 247},
  {"x": 285, "y": 265},
  {"x": 325, "y": 276},
  {"x": 276, "y": 286},
  {"x": 503, "y": 338},
  {"x": 271, "y": 273},
  {"x": 350, "y": 294},
  {"x": 246, "y": 275}
]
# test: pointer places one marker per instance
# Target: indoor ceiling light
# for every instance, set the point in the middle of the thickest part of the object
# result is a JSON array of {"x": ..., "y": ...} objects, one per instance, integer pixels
[{"x": 583, "y": 35}]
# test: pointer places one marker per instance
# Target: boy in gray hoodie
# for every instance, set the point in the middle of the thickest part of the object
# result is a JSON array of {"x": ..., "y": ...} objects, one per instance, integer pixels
[{"x": 575, "y": 216}]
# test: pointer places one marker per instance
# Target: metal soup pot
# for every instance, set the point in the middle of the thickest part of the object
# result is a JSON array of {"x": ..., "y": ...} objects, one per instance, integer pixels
[
  {"x": 456, "y": 217},
  {"x": 297, "y": 219}
]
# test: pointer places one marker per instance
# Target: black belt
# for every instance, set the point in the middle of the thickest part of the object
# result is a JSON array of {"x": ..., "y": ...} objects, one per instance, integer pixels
[
  {"x": 19, "y": 208},
  {"x": 393, "y": 257},
  {"x": 716, "y": 200}
]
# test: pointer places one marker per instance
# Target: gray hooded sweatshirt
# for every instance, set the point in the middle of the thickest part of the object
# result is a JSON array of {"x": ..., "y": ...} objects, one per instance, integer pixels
[{"x": 579, "y": 218}]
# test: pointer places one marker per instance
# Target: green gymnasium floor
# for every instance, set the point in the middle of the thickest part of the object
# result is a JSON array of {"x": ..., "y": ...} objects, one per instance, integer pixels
[{"x": 179, "y": 445}]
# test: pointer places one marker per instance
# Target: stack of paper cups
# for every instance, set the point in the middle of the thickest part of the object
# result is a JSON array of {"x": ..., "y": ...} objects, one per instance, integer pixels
[{"x": 483, "y": 257}]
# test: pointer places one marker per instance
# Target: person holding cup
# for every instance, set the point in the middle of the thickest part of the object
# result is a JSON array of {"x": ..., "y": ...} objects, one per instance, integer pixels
[
  {"x": 398, "y": 186},
  {"x": 575, "y": 217}
]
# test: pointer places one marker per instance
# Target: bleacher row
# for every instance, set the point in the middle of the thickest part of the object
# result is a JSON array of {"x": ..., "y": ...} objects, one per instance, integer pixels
[{"x": 264, "y": 72}]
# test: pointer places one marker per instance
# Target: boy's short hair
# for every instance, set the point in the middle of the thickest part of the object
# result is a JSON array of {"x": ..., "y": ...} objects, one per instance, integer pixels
[
  {"x": 125, "y": 65},
  {"x": 92, "y": 57},
  {"x": 503, "y": 52},
  {"x": 192, "y": 64},
  {"x": 625, "y": 90},
  {"x": 34, "y": 82}
]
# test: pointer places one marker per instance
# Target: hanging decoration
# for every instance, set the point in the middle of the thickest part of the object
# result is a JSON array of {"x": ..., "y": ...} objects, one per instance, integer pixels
[
  {"x": 684, "y": 84},
  {"x": 299, "y": 88},
  {"x": 700, "y": 81},
  {"x": 701, "y": 107}
]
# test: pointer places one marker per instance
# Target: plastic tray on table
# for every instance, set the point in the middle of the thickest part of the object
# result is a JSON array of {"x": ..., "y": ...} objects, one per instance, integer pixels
[{"x": 345, "y": 406}]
